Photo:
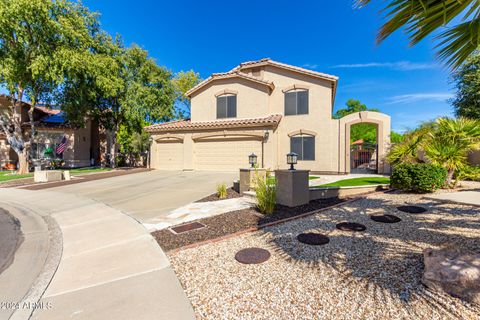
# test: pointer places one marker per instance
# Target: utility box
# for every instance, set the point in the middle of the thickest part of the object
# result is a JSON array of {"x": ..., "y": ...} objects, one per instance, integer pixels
[
  {"x": 248, "y": 178},
  {"x": 47, "y": 175}
]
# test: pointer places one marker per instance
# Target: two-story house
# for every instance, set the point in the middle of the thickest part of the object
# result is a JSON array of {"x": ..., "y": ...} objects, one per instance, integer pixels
[{"x": 267, "y": 108}]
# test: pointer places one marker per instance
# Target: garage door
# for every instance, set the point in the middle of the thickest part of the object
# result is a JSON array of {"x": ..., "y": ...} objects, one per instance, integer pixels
[
  {"x": 226, "y": 155},
  {"x": 168, "y": 156}
]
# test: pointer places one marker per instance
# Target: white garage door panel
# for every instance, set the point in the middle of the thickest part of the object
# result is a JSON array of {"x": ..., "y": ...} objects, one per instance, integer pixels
[
  {"x": 168, "y": 156},
  {"x": 228, "y": 155}
]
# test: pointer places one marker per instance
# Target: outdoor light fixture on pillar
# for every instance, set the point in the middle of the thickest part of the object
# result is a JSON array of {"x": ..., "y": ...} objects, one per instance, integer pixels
[
  {"x": 252, "y": 159},
  {"x": 292, "y": 159}
]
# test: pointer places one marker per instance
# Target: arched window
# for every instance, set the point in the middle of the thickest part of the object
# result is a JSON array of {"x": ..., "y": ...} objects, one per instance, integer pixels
[
  {"x": 296, "y": 102},
  {"x": 227, "y": 106},
  {"x": 304, "y": 146}
]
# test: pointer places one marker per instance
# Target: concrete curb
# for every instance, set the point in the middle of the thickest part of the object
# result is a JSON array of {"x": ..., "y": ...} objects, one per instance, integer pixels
[{"x": 50, "y": 267}]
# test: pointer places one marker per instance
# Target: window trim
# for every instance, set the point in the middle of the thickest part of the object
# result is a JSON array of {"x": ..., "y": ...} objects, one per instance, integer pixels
[
  {"x": 226, "y": 94},
  {"x": 296, "y": 89},
  {"x": 300, "y": 156}
]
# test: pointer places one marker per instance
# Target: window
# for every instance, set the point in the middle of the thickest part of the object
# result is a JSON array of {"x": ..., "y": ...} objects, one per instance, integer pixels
[
  {"x": 227, "y": 106},
  {"x": 296, "y": 102},
  {"x": 304, "y": 146}
]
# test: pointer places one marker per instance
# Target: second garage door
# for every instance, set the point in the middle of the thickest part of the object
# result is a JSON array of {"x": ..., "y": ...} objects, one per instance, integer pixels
[{"x": 226, "y": 155}]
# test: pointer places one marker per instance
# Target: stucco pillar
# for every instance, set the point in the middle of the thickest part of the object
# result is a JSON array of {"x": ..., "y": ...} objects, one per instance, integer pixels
[
  {"x": 248, "y": 178},
  {"x": 188, "y": 152},
  {"x": 292, "y": 187}
]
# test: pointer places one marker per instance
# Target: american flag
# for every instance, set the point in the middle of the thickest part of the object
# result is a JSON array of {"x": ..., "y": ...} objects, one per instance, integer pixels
[{"x": 61, "y": 146}]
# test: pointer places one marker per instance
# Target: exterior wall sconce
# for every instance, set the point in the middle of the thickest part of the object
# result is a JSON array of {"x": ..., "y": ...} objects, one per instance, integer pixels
[
  {"x": 252, "y": 159},
  {"x": 292, "y": 158},
  {"x": 266, "y": 134}
]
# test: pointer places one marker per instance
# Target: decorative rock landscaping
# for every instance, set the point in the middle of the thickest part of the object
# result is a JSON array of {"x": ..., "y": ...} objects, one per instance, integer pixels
[
  {"x": 374, "y": 274},
  {"x": 252, "y": 256},
  {"x": 412, "y": 209},
  {"x": 313, "y": 239},
  {"x": 385, "y": 218},
  {"x": 350, "y": 226}
]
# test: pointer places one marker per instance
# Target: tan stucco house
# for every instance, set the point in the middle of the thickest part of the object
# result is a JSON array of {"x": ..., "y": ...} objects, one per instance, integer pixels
[
  {"x": 83, "y": 143},
  {"x": 267, "y": 108}
]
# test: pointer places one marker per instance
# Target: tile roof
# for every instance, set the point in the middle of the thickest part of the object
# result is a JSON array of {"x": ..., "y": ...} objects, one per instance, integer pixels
[
  {"x": 237, "y": 72},
  {"x": 268, "y": 61},
  {"x": 186, "y": 125},
  {"x": 228, "y": 75}
]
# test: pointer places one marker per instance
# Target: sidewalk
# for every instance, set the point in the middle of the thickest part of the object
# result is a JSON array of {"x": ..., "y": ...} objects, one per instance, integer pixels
[
  {"x": 110, "y": 268},
  {"x": 463, "y": 197}
]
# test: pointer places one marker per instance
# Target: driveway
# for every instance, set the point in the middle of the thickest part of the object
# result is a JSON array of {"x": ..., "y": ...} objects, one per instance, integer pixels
[{"x": 150, "y": 196}]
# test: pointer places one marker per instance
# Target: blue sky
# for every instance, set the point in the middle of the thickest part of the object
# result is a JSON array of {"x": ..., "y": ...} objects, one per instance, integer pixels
[{"x": 327, "y": 36}]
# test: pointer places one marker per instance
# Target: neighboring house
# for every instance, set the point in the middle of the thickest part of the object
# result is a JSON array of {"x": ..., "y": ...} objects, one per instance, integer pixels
[
  {"x": 267, "y": 108},
  {"x": 83, "y": 144}
]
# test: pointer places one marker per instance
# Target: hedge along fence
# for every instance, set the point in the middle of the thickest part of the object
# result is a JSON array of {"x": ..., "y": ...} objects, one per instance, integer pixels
[{"x": 418, "y": 177}]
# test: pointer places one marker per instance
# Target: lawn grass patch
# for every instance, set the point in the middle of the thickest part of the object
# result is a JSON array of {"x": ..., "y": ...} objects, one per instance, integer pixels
[
  {"x": 79, "y": 171},
  {"x": 355, "y": 182},
  {"x": 8, "y": 176}
]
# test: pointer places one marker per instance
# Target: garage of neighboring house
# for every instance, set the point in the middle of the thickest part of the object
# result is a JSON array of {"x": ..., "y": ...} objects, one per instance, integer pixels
[{"x": 225, "y": 155}]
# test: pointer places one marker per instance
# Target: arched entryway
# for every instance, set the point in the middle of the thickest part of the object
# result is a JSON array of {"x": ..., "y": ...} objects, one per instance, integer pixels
[{"x": 379, "y": 151}]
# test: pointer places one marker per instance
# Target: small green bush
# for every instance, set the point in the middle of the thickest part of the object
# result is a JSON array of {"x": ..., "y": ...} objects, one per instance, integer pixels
[
  {"x": 266, "y": 196},
  {"x": 418, "y": 177},
  {"x": 222, "y": 191},
  {"x": 470, "y": 173}
]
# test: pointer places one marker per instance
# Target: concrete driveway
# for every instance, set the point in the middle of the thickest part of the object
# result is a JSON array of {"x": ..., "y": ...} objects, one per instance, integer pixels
[{"x": 150, "y": 196}]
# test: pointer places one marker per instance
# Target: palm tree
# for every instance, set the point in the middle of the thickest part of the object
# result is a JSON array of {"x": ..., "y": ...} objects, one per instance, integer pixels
[
  {"x": 450, "y": 142},
  {"x": 422, "y": 17},
  {"x": 445, "y": 142}
]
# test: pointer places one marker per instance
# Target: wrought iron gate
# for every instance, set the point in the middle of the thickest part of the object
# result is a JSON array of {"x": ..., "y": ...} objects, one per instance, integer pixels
[{"x": 363, "y": 158}]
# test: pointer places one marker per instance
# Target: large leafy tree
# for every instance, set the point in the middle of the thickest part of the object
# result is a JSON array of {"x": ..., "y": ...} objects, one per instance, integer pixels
[
  {"x": 419, "y": 18},
  {"x": 142, "y": 91},
  {"x": 467, "y": 83},
  {"x": 40, "y": 41},
  {"x": 182, "y": 82}
]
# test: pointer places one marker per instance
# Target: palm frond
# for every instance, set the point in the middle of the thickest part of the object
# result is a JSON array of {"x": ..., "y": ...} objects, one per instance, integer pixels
[{"x": 421, "y": 18}]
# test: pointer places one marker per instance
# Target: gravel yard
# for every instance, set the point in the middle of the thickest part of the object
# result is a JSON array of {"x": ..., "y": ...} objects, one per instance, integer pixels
[{"x": 374, "y": 274}]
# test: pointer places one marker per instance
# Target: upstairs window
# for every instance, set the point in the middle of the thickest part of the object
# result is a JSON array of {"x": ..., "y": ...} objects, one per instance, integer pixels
[
  {"x": 296, "y": 102},
  {"x": 304, "y": 146},
  {"x": 227, "y": 106}
]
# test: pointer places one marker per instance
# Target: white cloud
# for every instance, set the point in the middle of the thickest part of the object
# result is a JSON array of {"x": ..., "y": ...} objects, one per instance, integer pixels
[
  {"x": 399, "y": 65},
  {"x": 310, "y": 66},
  {"x": 415, "y": 97}
]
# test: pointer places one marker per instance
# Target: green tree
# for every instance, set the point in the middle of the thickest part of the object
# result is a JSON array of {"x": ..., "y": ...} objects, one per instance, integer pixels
[
  {"x": 182, "y": 82},
  {"x": 445, "y": 142},
  {"x": 39, "y": 41},
  {"x": 467, "y": 82},
  {"x": 421, "y": 18},
  {"x": 396, "y": 137},
  {"x": 142, "y": 91}
]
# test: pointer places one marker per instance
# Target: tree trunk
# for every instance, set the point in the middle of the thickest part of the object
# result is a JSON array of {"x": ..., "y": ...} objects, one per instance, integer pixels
[
  {"x": 112, "y": 147},
  {"x": 22, "y": 162},
  {"x": 450, "y": 177}
]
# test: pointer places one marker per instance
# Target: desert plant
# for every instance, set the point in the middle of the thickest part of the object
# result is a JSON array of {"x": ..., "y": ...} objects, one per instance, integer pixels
[
  {"x": 471, "y": 173},
  {"x": 222, "y": 191},
  {"x": 445, "y": 142},
  {"x": 418, "y": 177},
  {"x": 266, "y": 196}
]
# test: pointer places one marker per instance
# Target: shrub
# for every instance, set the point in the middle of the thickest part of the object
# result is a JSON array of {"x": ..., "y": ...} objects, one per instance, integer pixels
[
  {"x": 418, "y": 177},
  {"x": 266, "y": 196},
  {"x": 471, "y": 173},
  {"x": 222, "y": 191}
]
